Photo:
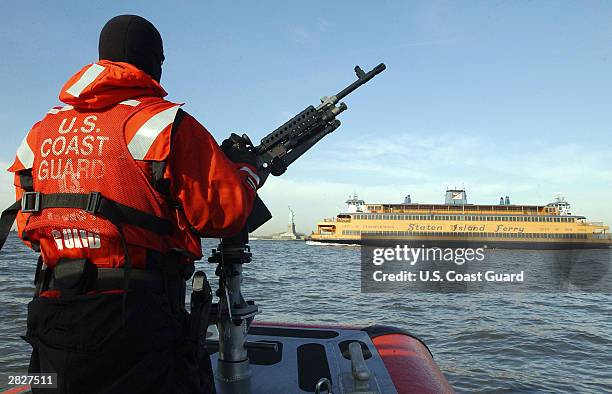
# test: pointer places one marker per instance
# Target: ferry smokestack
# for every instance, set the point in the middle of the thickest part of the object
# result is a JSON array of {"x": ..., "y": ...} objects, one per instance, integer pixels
[
  {"x": 501, "y": 201},
  {"x": 507, "y": 200},
  {"x": 407, "y": 199}
]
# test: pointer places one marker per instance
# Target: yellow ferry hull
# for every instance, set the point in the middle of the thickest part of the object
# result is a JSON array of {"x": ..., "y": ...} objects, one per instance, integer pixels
[{"x": 466, "y": 242}]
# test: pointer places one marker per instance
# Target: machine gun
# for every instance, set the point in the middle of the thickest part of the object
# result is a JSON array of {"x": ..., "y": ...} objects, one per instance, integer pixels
[
  {"x": 233, "y": 315},
  {"x": 277, "y": 150}
]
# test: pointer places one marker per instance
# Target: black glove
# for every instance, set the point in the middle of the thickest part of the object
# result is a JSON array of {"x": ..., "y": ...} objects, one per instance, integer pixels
[{"x": 239, "y": 150}]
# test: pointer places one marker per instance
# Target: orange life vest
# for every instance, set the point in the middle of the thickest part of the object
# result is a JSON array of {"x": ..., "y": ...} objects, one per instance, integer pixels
[
  {"x": 76, "y": 153},
  {"x": 89, "y": 185}
]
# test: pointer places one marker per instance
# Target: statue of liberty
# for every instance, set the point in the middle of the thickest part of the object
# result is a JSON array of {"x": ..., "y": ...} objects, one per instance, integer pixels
[{"x": 291, "y": 215}]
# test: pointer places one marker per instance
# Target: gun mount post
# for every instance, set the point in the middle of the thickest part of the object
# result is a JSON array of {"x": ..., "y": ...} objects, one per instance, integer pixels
[{"x": 234, "y": 314}]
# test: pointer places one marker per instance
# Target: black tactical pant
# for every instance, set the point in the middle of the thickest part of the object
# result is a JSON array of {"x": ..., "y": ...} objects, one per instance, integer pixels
[{"x": 98, "y": 344}]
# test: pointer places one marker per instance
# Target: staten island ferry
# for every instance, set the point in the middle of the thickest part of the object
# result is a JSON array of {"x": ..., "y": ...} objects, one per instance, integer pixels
[{"x": 457, "y": 223}]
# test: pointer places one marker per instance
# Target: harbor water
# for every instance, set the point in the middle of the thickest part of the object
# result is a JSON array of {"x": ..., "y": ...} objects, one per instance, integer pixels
[{"x": 483, "y": 342}]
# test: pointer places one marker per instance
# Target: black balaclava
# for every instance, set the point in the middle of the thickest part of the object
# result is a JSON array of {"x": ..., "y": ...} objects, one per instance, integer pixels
[{"x": 132, "y": 39}]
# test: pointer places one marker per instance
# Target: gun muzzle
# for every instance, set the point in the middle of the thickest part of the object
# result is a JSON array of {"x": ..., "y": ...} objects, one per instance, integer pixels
[
  {"x": 378, "y": 69},
  {"x": 362, "y": 78}
]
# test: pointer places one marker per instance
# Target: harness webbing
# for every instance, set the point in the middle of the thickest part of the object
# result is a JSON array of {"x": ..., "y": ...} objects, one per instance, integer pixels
[{"x": 93, "y": 203}]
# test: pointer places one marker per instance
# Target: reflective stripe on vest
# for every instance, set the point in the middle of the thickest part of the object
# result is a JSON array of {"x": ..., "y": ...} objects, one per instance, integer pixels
[
  {"x": 25, "y": 154},
  {"x": 54, "y": 111},
  {"x": 131, "y": 103},
  {"x": 85, "y": 80},
  {"x": 150, "y": 130}
]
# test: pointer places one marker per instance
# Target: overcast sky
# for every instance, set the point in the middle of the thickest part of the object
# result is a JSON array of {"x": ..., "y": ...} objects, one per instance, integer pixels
[{"x": 504, "y": 97}]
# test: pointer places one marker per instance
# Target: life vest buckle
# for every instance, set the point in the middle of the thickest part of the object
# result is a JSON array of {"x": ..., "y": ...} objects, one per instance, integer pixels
[
  {"x": 93, "y": 202},
  {"x": 30, "y": 202}
]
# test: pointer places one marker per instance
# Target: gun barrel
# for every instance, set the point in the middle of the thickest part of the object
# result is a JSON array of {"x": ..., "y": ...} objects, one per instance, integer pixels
[{"x": 361, "y": 81}]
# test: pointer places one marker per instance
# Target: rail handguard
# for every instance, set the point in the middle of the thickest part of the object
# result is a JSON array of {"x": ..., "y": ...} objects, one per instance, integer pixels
[{"x": 283, "y": 146}]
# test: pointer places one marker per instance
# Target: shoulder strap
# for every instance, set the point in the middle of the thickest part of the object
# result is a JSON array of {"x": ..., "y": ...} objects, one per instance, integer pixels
[
  {"x": 25, "y": 180},
  {"x": 6, "y": 221},
  {"x": 10, "y": 214}
]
